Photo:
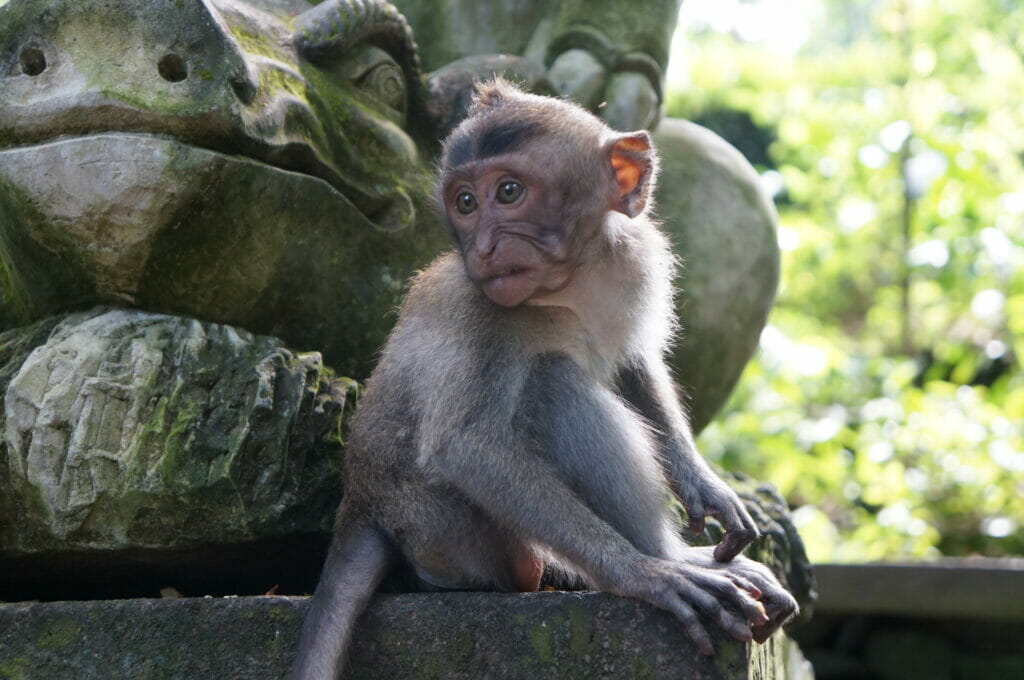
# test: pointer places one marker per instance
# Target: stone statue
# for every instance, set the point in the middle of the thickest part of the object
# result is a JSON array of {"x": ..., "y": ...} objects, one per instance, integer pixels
[
  {"x": 206, "y": 204},
  {"x": 234, "y": 161}
]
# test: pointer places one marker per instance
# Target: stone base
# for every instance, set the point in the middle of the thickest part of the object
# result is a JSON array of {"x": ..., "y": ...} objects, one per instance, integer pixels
[
  {"x": 445, "y": 636},
  {"x": 953, "y": 619}
]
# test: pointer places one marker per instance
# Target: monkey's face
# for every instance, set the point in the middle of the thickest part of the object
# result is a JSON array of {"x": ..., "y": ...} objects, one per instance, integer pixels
[{"x": 507, "y": 215}]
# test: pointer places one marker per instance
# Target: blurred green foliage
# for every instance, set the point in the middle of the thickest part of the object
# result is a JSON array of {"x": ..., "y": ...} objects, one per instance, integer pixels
[{"x": 887, "y": 399}]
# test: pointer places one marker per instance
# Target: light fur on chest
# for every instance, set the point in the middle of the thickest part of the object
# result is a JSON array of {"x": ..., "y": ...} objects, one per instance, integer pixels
[{"x": 618, "y": 305}]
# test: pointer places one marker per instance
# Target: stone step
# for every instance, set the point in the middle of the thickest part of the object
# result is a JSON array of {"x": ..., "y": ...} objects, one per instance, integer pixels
[
  {"x": 450, "y": 636},
  {"x": 974, "y": 588}
]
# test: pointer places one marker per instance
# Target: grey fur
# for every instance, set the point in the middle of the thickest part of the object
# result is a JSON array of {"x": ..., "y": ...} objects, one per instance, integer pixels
[{"x": 550, "y": 428}]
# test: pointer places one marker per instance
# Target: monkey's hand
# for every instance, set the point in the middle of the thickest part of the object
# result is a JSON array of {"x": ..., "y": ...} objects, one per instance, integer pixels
[
  {"x": 704, "y": 494},
  {"x": 728, "y": 597},
  {"x": 779, "y": 605}
]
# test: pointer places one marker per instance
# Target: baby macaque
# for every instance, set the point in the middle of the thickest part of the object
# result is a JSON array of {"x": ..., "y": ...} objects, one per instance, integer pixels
[{"x": 522, "y": 419}]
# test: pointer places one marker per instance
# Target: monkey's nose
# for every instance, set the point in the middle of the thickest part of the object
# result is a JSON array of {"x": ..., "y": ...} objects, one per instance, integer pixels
[{"x": 484, "y": 245}]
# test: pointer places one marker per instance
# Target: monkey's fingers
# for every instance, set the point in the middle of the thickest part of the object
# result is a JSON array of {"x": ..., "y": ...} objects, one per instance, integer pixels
[
  {"x": 683, "y": 590},
  {"x": 779, "y": 606},
  {"x": 775, "y": 598},
  {"x": 745, "y": 584},
  {"x": 695, "y": 512},
  {"x": 733, "y": 543},
  {"x": 691, "y": 623},
  {"x": 740, "y": 529},
  {"x": 734, "y": 625},
  {"x": 719, "y": 594},
  {"x": 764, "y": 631}
]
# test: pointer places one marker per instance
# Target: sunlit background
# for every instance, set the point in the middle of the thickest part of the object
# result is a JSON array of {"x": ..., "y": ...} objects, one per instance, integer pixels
[{"x": 887, "y": 399}]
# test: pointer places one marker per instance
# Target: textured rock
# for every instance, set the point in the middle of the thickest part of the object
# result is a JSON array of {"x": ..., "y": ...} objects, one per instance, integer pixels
[
  {"x": 250, "y": 184},
  {"x": 555, "y": 636},
  {"x": 627, "y": 44},
  {"x": 127, "y": 429},
  {"x": 154, "y": 223}
]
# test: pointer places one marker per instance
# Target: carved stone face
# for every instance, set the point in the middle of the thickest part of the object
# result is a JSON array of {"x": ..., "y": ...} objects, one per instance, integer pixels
[{"x": 228, "y": 159}]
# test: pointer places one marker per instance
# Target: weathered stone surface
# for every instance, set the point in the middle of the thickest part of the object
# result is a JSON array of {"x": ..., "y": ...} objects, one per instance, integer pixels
[
  {"x": 723, "y": 224},
  {"x": 154, "y": 223},
  {"x": 909, "y": 655},
  {"x": 953, "y": 618},
  {"x": 126, "y": 429},
  {"x": 627, "y": 43},
  {"x": 263, "y": 181},
  {"x": 976, "y": 588},
  {"x": 279, "y": 81},
  {"x": 557, "y": 636}
]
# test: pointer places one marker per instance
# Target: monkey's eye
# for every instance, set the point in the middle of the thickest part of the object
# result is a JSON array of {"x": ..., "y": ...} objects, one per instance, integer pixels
[
  {"x": 465, "y": 203},
  {"x": 508, "y": 192}
]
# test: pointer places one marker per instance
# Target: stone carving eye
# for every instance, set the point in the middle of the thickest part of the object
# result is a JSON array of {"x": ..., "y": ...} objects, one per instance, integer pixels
[
  {"x": 508, "y": 192},
  {"x": 465, "y": 203},
  {"x": 377, "y": 74},
  {"x": 386, "y": 82}
]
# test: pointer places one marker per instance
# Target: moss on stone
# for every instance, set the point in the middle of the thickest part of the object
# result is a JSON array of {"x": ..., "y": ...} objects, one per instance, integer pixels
[
  {"x": 542, "y": 640},
  {"x": 15, "y": 668},
  {"x": 277, "y": 80},
  {"x": 255, "y": 43},
  {"x": 730, "y": 657},
  {"x": 176, "y": 463},
  {"x": 14, "y": 308},
  {"x": 59, "y": 634},
  {"x": 581, "y": 630},
  {"x": 18, "y": 276},
  {"x": 639, "y": 669}
]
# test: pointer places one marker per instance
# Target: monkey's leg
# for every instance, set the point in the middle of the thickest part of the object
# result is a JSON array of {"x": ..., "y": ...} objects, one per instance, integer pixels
[
  {"x": 452, "y": 543},
  {"x": 359, "y": 558}
]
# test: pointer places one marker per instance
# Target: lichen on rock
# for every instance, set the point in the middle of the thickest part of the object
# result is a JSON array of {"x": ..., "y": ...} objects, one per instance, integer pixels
[{"x": 132, "y": 429}]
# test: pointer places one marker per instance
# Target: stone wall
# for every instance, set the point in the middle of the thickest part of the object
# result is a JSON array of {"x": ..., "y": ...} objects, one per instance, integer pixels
[
  {"x": 952, "y": 620},
  {"x": 452, "y": 636}
]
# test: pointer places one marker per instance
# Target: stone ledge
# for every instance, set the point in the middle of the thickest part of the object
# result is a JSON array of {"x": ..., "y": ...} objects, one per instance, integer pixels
[
  {"x": 974, "y": 588},
  {"x": 450, "y": 636}
]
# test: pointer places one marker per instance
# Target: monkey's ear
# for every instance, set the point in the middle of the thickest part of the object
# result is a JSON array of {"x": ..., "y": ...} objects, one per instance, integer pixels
[{"x": 633, "y": 160}]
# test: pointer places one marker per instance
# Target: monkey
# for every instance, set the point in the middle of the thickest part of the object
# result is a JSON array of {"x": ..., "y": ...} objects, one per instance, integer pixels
[{"x": 521, "y": 419}]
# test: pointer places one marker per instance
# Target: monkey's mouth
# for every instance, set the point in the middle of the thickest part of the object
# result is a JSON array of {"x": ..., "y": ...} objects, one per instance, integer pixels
[
  {"x": 512, "y": 275},
  {"x": 511, "y": 286},
  {"x": 514, "y": 270}
]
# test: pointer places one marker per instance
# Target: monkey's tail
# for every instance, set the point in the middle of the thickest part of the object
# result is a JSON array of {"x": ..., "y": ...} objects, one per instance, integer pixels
[{"x": 358, "y": 560}]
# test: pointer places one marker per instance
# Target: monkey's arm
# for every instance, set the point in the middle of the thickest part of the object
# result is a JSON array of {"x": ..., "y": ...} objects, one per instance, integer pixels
[{"x": 647, "y": 385}]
